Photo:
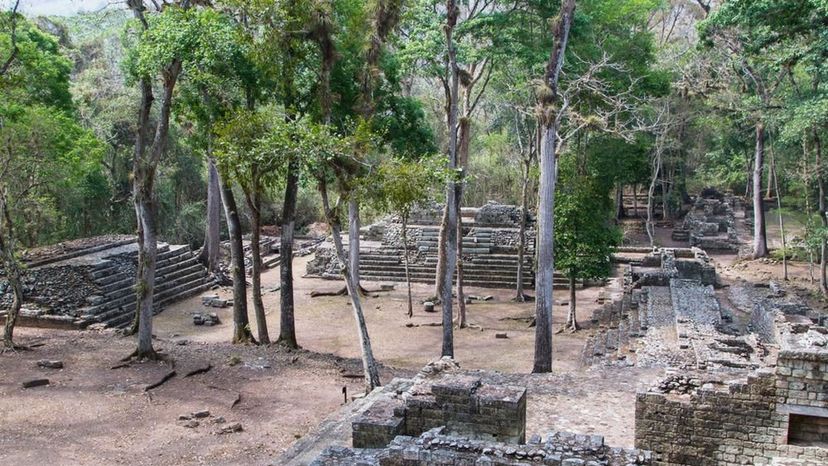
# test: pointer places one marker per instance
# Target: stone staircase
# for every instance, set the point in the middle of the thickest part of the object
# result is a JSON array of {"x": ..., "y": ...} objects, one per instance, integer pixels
[
  {"x": 178, "y": 275},
  {"x": 485, "y": 266},
  {"x": 620, "y": 323}
]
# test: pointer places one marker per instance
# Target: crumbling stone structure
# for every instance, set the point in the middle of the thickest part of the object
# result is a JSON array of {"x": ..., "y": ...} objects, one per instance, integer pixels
[
  {"x": 461, "y": 403},
  {"x": 776, "y": 415},
  {"x": 449, "y": 417},
  {"x": 711, "y": 223},
  {"x": 491, "y": 238},
  {"x": 668, "y": 316},
  {"x": 91, "y": 281},
  {"x": 434, "y": 447}
]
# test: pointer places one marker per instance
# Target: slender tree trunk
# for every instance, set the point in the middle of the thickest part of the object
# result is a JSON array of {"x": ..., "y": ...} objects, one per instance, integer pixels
[
  {"x": 144, "y": 167},
  {"x": 13, "y": 277},
  {"x": 254, "y": 203},
  {"x": 145, "y": 287},
  {"x": 461, "y": 297},
  {"x": 369, "y": 364},
  {"x": 781, "y": 221},
  {"x": 619, "y": 201},
  {"x": 210, "y": 252},
  {"x": 241, "y": 324},
  {"x": 440, "y": 273},
  {"x": 545, "y": 277},
  {"x": 141, "y": 137},
  {"x": 823, "y": 215},
  {"x": 524, "y": 206},
  {"x": 808, "y": 211},
  {"x": 12, "y": 272},
  {"x": 749, "y": 184},
  {"x": 405, "y": 261},
  {"x": 760, "y": 242},
  {"x": 571, "y": 319},
  {"x": 650, "y": 198},
  {"x": 451, "y": 189},
  {"x": 287, "y": 324},
  {"x": 353, "y": 243},
  {"x": 635, "y": 201}
]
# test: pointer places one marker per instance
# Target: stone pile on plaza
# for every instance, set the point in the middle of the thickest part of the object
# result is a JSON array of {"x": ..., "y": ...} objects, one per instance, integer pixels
[
  {"x": 491, "y": 238},
  {"x": 94, "y": 282}
]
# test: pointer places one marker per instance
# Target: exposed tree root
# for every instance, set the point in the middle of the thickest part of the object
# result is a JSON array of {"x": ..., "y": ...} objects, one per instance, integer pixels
[
  {"x": 523, "y": 299},
  {"x": 342, "y": 292},
  {"x": 9, "y": 347},
  {"x": 151, "y": 355},
  {"x": 199, "y": 370},
  {"x": 160, "y": 382},
  {"x": 285, "y": 344}
]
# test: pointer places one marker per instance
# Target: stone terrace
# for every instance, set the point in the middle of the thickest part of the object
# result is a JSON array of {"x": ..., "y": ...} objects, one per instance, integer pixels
[{"x": 73, "y": 287}]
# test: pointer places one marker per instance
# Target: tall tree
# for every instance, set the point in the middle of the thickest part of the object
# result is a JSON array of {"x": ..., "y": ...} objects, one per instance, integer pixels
[
  {"x": 550, "y": 123},
  {"x": 248, "y": 156},
  {"x": 452, "y": 187}
]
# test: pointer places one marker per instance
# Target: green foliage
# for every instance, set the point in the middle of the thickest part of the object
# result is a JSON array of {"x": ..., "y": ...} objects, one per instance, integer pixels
[
  {"x": 253, "y": 148},
  {"x": 400, "y": 185},
  {"x": 40, "y": 72},
  {"x": 47, "y": 159},
  {"x": 584, "y": 236}
]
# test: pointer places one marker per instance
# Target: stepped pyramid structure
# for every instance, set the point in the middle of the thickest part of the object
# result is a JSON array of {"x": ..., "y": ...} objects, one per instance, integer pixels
[
  {"x": 93, "y": 283},
  {"x": 491, "y": 238}
]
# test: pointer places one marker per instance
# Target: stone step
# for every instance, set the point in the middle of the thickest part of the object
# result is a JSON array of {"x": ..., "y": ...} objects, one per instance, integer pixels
[
  {"x": 466, "y": 282},
  {"x": 399, "y": 275},
  {"x": 122, "y": 316},
  {"x": 106, "y": 270},
  {"x": 179, "y": 272},
  {"x": 181, "y": 287}
]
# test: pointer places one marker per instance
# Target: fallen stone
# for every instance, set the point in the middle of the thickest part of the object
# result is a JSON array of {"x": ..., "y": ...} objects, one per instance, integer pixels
[
  {"x": 35, "y": 383},
  {"x": 201, "y": 414},
  {"x": 232, "y": 428},
  {"x": 501, "y": 335},
  {"x": 191, "y": 424},
  {"x": 184, "y": 417},
  {"x": 428, "y": 306},
  {"x": 50, "y": 364},
  {"x": 207, "y": 299}
]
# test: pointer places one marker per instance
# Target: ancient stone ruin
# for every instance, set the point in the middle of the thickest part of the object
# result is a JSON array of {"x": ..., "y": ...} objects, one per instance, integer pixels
[
  {"x": 711, "y": 223},
  {"x": 447, "y": 416},
  {"x": 91, "y": 281},
  {"x": 491, "y": 238},
  {"x": 747, "y": 377}
]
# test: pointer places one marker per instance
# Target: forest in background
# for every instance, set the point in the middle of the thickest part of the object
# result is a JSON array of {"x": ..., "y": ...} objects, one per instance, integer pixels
[{"x": 314, "y": 110}]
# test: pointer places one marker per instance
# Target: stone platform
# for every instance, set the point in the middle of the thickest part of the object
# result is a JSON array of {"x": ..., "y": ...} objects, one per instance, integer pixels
[{"x": 73, "y": 287}]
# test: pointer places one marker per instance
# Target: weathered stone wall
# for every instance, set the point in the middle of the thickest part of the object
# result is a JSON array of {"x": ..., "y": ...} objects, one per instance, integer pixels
[
  {"x": 459, "y": 402},
  {"x": 739, "y": 422},
  {"x": 711, "y": 224}
]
